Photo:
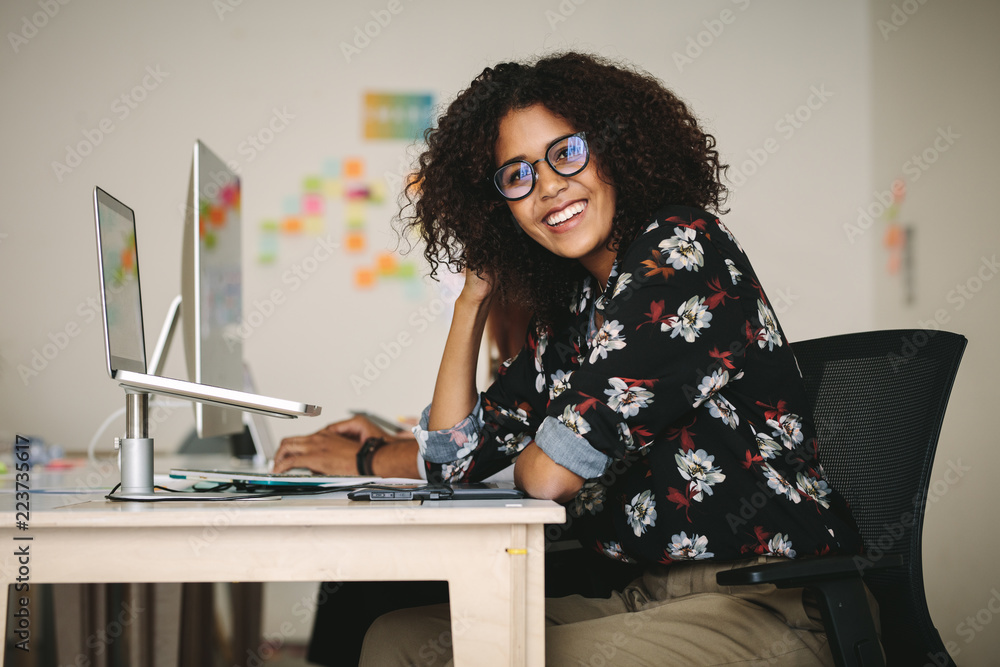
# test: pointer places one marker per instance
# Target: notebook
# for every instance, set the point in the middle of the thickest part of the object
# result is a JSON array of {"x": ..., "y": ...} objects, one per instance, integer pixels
[{"x": 124, "y": 342}]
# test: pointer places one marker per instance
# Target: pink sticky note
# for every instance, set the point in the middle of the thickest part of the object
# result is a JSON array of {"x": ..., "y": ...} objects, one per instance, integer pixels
[{"x": 312, "y": 204}]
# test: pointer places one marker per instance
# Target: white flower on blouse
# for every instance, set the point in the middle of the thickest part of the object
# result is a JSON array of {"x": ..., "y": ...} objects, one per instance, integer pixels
[
  {"x": 769, "y": 334},
  {"x": 455, "y": 469},
  {"x": 560, "y": 383},
  {"x": 682, "y": 250},
  {"x": 627, "y": 400},
  {"x": 734, "y": 273},
  {"x": 729, "y": 234},
  {"x": 722, "y": 409},
  {"x": 542, "y": 343},
  {"x": 780, "y": 484},
  {"x": 608, "y": 337},
  {"x": 513, "y": 443},
  {"x": 574, "y": 421},
  {"x": 589, "y": 499},
  {"x": 614, "y": 550},
  {"x": 641, "y": 512},
  {"x": 698, "y": 468},
  {"x": 682, "y": 547},
  {"x": 768, "y": 447},
  {"x": 780, "y": 546},
  {"x": 789, "y": 428},
  {"x": 622, "y": 283},
  {"x": 625, "y": 436},
  {"x": 710, "y": 386},
  {"x": 816, "y": 489},
  {"x": 579, "y": 301},
  {"x": 519, "y": 415},
  {"x": 692, "y": 317}
]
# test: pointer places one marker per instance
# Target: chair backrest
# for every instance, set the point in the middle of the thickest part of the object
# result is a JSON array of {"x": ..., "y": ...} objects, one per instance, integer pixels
[{"x": 879, "y": 398}]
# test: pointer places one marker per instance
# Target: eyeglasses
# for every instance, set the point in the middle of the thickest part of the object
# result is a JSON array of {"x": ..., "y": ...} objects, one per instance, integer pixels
[{"x": 567, "y": 156}]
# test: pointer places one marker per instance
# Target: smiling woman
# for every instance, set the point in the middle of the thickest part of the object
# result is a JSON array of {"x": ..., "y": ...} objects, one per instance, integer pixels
[{"x": 655, "y": 391}]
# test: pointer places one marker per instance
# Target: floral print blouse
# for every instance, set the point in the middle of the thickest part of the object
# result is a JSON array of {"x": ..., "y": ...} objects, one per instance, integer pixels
[{"x": 676, "y": 396}]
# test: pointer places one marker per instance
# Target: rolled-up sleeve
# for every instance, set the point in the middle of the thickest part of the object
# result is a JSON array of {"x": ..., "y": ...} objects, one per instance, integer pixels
[
  {"x": 570, "y": 450},
  {"x": 452, "y": 444}
]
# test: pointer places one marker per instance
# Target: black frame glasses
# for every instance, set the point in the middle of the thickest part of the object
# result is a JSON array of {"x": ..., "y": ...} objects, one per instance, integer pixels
[{"x": 519, "y": 169}]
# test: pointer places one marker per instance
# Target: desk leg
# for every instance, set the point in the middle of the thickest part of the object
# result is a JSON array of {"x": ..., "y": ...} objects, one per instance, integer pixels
[{"x": 500, "y": 619}]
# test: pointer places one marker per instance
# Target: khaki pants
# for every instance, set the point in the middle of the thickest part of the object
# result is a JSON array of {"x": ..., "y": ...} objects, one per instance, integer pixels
[{"x": 674, "y": 615}]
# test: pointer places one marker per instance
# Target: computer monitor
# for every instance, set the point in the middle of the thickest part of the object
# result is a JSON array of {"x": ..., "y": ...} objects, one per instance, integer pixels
[{"x": 211, "y": 287}]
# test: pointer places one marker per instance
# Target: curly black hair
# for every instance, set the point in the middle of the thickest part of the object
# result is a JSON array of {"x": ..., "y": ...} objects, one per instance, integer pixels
[{"x": 646, "y": 142}]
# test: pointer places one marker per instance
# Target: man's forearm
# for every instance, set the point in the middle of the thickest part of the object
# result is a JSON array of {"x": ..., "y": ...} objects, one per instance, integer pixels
[{"x": 398, "y": 458}]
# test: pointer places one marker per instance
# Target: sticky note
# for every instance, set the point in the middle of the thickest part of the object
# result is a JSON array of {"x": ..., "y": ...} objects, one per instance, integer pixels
[
  {"x": 385, "y": 263},
  {"x": 354, "y": 242},
  {"x": 312, "y": 204},
  {"x": 313, "y": 224},
  {"x": 407, "y": 270},
  {"x": 291, "y": 205},
  {"x": 364, "y": 278},
  {"x": 354, "y": 168},
  {"x": 333, "y": 188},
  {"x": 291, "y": 225}
]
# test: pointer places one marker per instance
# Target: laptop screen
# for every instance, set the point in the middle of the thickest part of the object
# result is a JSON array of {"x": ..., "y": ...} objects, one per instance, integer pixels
[{"x": 119, "y": 268}]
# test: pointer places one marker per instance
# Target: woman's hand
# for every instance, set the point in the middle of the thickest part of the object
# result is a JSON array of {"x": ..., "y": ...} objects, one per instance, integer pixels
[{"x": 478, "y": 289}]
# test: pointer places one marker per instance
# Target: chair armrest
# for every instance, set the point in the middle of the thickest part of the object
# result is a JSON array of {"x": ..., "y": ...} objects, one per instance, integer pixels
[
  {"x": 842, "y": 599},
  {"x": 805, "y": 572}
]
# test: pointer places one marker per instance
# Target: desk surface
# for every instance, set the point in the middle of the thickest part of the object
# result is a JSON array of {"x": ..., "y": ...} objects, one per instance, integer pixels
[{"x": 490, "y": 551}]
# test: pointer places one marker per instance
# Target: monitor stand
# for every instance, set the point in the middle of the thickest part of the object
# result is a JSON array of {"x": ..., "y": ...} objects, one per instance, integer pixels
[{"x": 135, "y": 452}]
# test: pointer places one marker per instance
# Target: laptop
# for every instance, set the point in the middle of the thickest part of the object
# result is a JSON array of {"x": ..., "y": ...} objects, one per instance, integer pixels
[
  {"x": 278, "y": 481},
  {"x": 124, "y": 341}
]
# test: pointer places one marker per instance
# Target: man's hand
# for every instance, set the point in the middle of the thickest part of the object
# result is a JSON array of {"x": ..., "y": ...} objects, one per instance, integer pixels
[
  {"x": 330, "y": 451},
  {"x": 334, "y": 450}
]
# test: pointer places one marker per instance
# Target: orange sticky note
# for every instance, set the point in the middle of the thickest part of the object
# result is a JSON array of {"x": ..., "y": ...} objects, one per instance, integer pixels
[
  {"x": 354, "y": 242},
  {"x": 354, "y": 168},
  {"x": 385, "y": 263},
  {"x": 291, "y": 226},
  {"x": 364, "y": 278}
]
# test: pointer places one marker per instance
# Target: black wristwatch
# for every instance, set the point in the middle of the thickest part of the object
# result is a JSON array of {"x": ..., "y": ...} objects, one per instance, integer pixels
[{"x": 367, "y": 454}]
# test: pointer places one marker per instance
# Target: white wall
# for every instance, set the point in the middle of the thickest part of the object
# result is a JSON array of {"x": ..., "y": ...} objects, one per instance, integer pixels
[
  {"x": 935, "y": 75},
  {"x": 750, "y": 65},
  {"x": 224, "y": 76}
]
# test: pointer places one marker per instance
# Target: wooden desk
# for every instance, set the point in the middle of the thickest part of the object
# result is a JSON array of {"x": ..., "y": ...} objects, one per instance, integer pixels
[{"x": 489, "y": 552}]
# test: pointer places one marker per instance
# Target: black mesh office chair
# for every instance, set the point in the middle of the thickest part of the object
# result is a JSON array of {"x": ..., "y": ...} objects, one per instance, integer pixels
[{"x": 879, "y": 399}]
